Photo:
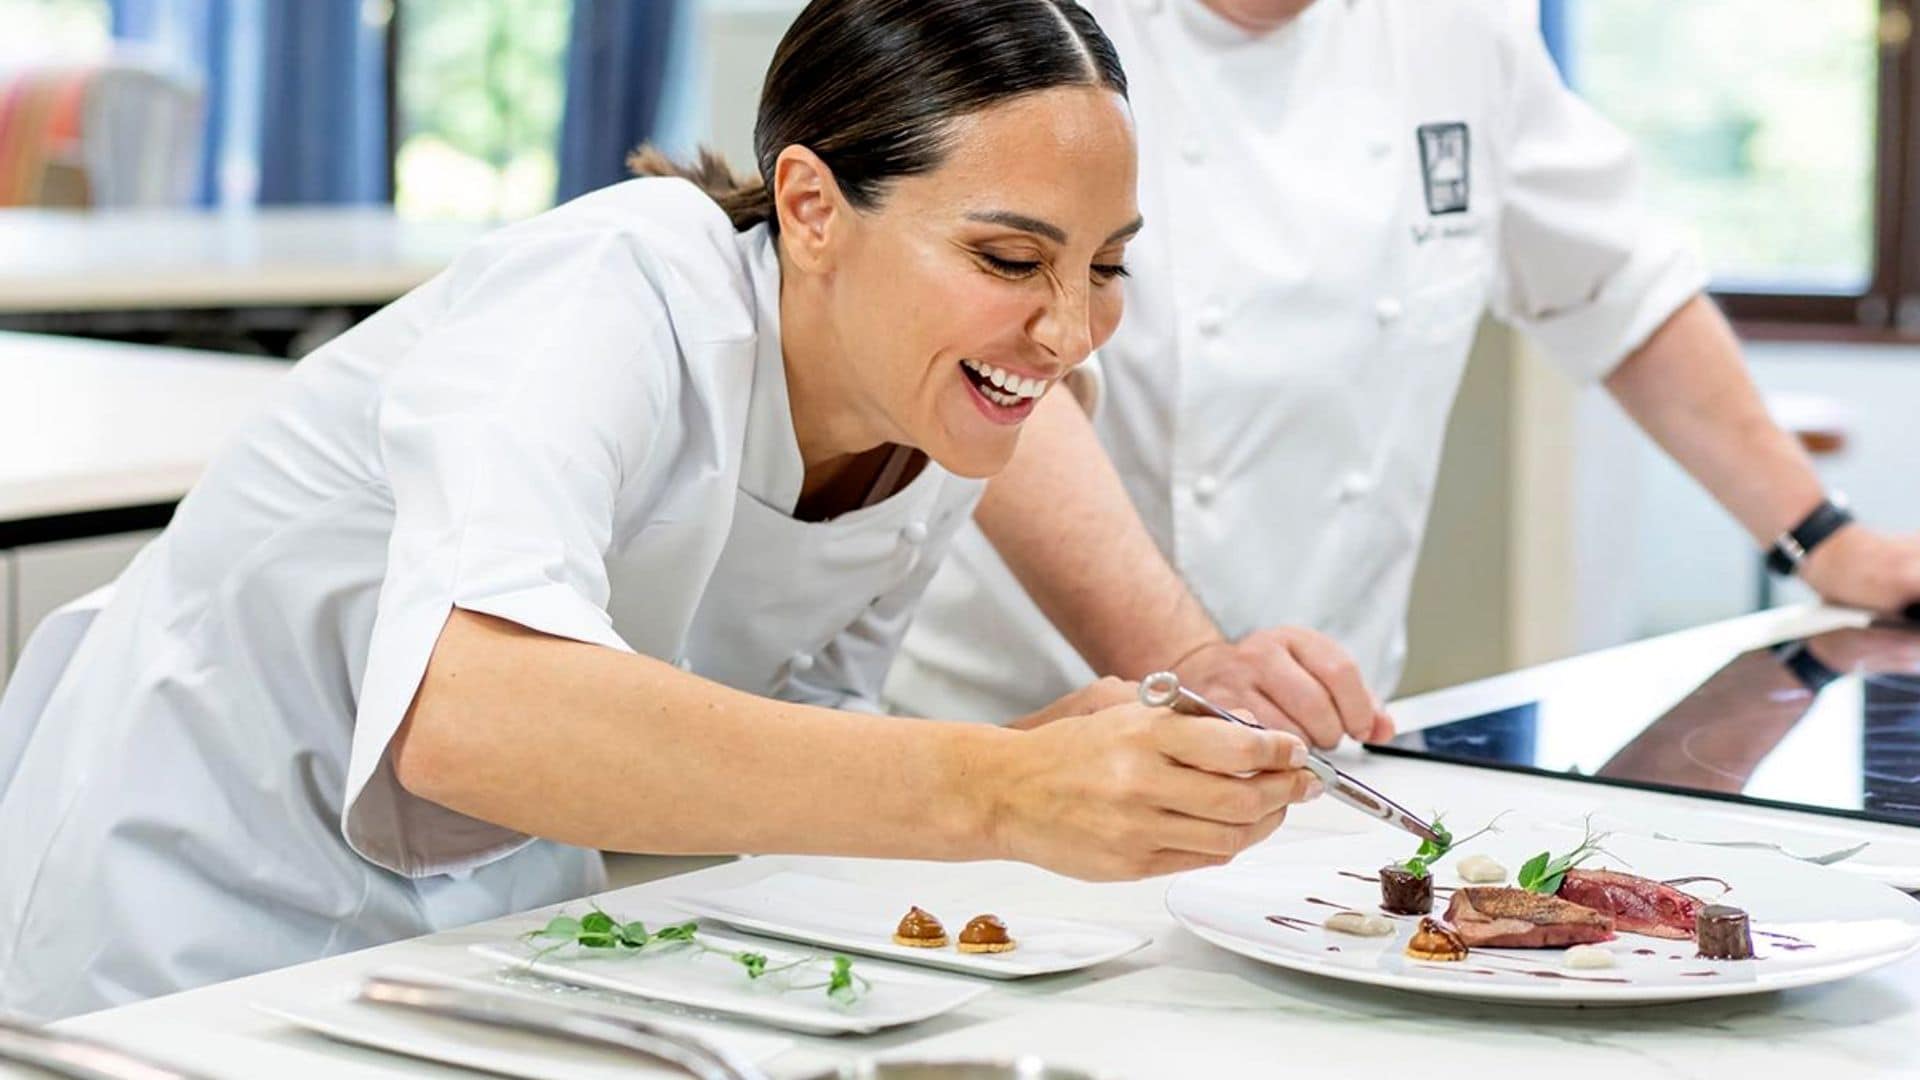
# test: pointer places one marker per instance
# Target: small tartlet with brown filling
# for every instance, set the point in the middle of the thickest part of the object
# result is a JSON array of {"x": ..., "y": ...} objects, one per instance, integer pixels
[
  {"x": 919, "y": 929},
  {"x": 986, "y": 934}
]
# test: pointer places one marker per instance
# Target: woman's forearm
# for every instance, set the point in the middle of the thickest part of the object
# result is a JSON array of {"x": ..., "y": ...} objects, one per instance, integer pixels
[{"x": 598, "y": 748}]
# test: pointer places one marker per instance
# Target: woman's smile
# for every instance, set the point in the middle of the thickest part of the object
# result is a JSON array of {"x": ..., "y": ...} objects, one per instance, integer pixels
[{"x": 1003, "y": 396}]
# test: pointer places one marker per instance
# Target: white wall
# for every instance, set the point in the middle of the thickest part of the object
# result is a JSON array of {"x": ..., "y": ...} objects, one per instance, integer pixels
[
  {"x": 1690, "y": 564},
  {"x": 1559, "y": 528},
  {"x": 1459, "y": 619},
  {"x": 735, "y": 43}
]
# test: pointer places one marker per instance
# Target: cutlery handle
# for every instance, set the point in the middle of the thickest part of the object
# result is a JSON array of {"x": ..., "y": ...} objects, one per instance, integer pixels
[
  {"x": 697, "y": 1058},
  {"x": 1162, "y": 690},
  {"x": 76, "y": 1058}
]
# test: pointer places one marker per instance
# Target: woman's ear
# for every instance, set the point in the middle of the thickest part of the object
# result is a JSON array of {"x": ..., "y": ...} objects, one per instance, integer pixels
[{"x": 807, "y": 199}]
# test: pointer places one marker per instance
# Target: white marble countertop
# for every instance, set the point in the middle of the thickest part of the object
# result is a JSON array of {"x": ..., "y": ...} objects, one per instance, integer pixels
[
  {"x": 1182, "y": 1009},
  {"x": 68, "y": 260},
  {"x": 88, "y": 425}
]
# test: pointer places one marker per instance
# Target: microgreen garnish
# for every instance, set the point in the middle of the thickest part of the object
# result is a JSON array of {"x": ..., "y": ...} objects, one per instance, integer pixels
[
  {"x": 599, "y": 930},
  {"x": 1430, "y": 851},
  {"x": 840, "y": 984},
  {"x": 1543, "y": 873}
]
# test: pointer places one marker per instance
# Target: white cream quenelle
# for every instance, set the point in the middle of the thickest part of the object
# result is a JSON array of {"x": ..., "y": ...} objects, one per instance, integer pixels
[
  {"x": 1334, "y": 204},
  {"x": 1481, "y": 870},
  {"x": 581, "y": 427}
]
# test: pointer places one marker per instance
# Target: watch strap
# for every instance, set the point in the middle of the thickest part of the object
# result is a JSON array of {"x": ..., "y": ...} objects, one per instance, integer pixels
[
  {"x": 1797, "y": 658},
  {"x": 1794, "y": 545}
]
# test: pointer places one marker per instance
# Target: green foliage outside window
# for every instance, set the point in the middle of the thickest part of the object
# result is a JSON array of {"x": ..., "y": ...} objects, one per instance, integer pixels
[{"x": 482, "y": 84}]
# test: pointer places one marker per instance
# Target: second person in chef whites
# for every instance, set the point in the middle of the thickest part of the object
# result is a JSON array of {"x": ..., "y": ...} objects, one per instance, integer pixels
[
  {"x": 1338, "y": 189},
  {"x": 597, "y": 538}
]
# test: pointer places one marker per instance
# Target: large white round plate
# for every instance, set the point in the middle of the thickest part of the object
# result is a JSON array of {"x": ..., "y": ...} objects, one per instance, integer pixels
[{"x": 1811, "y": 924}]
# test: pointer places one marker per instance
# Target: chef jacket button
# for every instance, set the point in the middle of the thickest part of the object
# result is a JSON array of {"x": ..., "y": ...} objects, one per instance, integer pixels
[
  {"x": 801, "y": 662},
  {"x": 1205, "y": 487},
  {"x": 1379, "y": 148},
  {"x": 1194, "y": 151},
  {"x": 1387, "y": 310},
  {"x": 915, "y": 533},
  {"x": 1355, "y": 485},
  {"x": 1211, "y": 320}
]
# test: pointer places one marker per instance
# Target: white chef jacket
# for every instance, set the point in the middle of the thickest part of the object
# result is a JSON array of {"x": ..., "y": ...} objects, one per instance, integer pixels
[
  {"x": 583, "y": 427},
  {"x": 1330, "y": 208}
]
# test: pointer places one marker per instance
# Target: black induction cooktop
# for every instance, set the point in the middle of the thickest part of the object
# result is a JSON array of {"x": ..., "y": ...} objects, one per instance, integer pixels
[{"x": 1828, "y": 724}]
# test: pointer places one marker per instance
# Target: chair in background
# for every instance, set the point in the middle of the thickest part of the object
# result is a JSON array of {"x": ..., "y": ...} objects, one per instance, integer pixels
[
  {"x": 39, "y": 119},
  {"x": 124, "y": 133},
  {"x": 141, "y": 135}
]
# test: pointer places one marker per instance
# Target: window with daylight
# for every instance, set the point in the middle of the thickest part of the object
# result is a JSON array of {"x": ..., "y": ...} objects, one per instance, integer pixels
[
  {"x": 480, "y": 85},
  {"x": 1777, "y": 132},
  {"x": 52, "y": 31}
]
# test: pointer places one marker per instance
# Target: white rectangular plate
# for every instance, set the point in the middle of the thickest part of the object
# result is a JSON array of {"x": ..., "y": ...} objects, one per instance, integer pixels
[
  {"x": 714, "y": 983},
  {"x": 1811, "y": 924},
  {"x": 854, "y": 918},
  {"x": 502, "y": 1052}
]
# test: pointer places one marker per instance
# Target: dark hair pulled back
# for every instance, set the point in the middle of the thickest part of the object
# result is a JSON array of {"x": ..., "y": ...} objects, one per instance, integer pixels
[{"x": 872, "y": 87}]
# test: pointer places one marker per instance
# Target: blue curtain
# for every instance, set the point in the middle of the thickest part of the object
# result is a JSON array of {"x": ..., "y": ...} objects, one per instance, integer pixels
[
  {"x": 296, "y": 93},
  {"x": 617, "y": 71},
  {"x": 323, "y": 104},
  {"x": 1554, "y": 28}
]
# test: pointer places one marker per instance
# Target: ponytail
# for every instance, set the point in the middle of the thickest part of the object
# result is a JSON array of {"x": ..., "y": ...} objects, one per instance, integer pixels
[{"x": 745, "y": 199}]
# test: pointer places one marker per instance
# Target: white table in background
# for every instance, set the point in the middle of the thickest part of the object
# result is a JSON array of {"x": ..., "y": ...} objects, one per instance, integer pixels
[
  {"x": 98, "y": 441},
  {"x": 145, "y": 260},
  {"x": 1181, "y": 1009}
]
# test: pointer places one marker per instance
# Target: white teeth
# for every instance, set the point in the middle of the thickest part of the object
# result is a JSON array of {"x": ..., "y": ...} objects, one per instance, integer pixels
[{"x": 1016, "y": 388}]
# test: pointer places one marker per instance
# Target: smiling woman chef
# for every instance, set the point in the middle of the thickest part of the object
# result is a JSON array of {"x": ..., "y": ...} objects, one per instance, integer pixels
[{"x": 592, "y": 538}]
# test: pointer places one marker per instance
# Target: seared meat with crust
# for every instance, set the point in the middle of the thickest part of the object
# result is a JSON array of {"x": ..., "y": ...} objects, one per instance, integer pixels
[{"x": 1518, "y": 919}]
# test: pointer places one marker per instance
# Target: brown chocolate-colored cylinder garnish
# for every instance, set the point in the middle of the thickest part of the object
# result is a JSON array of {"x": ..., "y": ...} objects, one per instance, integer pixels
[
  {"x": 1433, "y": 941},
  {"x": 920, "y": 930},
  {"x": 985, "y": 934},
  {"x": 1403, "y": 892},
  {"x": 1723, "y": 933}
]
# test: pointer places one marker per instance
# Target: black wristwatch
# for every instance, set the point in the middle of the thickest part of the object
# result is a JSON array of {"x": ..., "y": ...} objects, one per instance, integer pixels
[
  {"x": 1794, "y": 545},
  {"x": 1796, "y": 657}
]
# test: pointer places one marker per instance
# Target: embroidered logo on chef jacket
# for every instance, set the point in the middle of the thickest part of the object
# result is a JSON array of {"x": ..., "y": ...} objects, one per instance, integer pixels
[{"x": 1443, "y": 162}]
